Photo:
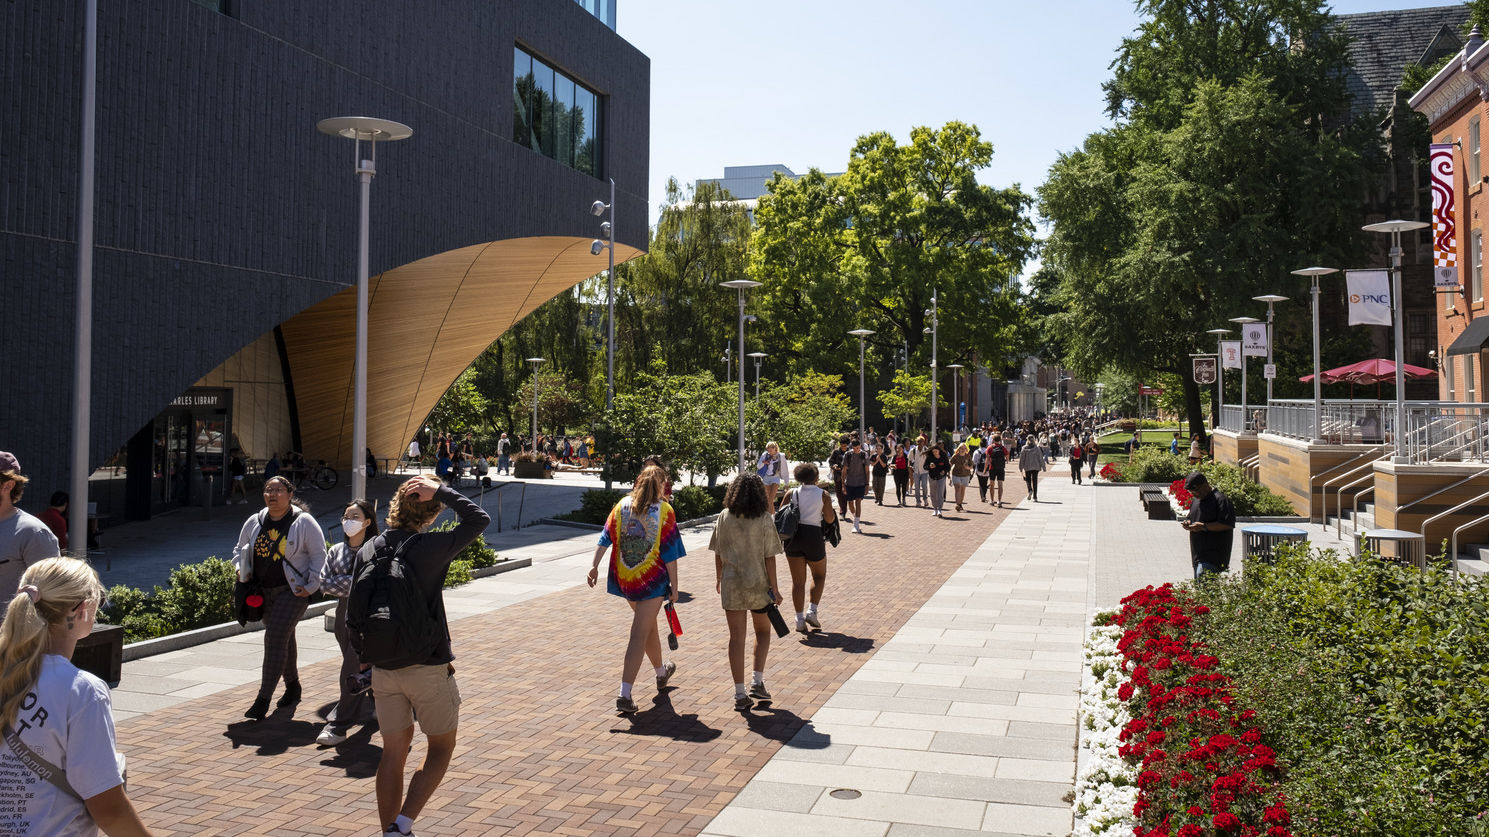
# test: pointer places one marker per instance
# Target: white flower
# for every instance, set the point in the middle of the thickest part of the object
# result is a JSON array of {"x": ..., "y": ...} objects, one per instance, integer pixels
[{"x": 1105, "y": 787}]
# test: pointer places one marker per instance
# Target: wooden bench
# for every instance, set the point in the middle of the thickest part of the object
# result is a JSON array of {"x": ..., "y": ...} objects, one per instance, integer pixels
[{"x": 1157, "y": 505}]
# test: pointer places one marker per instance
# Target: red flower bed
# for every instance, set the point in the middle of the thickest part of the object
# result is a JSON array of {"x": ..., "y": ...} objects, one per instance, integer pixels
[
  {"x": 1202, "y": 767},
  {"x": 1110, "y": 472},
  {"x": 1181, "y": 494}
]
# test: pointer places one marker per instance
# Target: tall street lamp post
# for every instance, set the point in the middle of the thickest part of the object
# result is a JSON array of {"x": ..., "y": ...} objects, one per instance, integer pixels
[
  {"x": 1398, "y": 318},
  {"x": 82, "y": 378},
  {"x": 956, "y": 402},
  {"x": 934, "y": 312},
  {"x": 535, "y": 361},
  {"x": 758, "y": 356},
  {"x": 1270, "y": 300},
  {"x": 1318, "y": 398},
  {"x": 860, "y": 333},
  {"x": 362, "y": 129},
  {"x": 607, "y": 229},
  {"x": 1243, "y": 322},
  {"x": 1219, "y": 372},
  {"x": 741, "y": 285}
]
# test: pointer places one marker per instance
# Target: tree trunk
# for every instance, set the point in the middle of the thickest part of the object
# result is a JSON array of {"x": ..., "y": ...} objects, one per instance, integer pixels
[{"x": 1193, "y": 408}]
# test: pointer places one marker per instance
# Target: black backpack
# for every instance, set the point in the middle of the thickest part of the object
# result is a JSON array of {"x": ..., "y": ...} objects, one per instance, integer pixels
[
  {"x": 995, "y": 457},
  {"x": 389, "y": 621}
]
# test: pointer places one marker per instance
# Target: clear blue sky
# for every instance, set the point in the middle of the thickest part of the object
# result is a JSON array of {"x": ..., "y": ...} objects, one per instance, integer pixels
[{"x": 740, "y": 82}]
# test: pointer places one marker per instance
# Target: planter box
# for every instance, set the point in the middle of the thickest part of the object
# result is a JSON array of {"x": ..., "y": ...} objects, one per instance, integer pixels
[
  {"x": 101, "y": 653},
  {"x": 530, "y": 470}
]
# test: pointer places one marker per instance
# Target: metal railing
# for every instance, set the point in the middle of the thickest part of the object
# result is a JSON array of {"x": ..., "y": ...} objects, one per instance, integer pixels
[
  {"x": 1354, "y": 477},
  {"x": 1345, "y": 421},
  {"x": 1475, "y": 502},
  {"x": 1442, "y": 431},
  {"x": 1470, "y": 478},
  {"x": 1238, "y": 419},
  {"x": 1354, "y": 512},
  {"x": 1328, "y": 475},
  {"x": 1453, "y": 550}
]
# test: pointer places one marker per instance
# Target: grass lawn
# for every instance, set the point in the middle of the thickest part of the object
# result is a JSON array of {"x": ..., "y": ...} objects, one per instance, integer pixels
[{"x": 1113, "y": 444}]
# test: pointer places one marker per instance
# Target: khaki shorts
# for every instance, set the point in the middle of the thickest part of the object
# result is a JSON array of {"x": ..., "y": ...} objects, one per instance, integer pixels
[{"x": 429, "y": 691}]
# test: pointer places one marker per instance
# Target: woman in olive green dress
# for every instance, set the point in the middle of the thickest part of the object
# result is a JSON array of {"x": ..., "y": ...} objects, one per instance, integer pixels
[{"x": 745, "y": 546}]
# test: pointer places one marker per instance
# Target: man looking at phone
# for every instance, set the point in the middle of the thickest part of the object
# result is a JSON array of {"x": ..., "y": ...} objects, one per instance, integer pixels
[{"x": 1211, "y": 525}]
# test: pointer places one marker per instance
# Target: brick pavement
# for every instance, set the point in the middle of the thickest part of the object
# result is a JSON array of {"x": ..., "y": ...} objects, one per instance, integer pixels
[{"x": 541, "y": 751}]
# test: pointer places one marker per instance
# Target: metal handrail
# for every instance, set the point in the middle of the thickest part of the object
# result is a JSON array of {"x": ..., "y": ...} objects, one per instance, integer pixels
[
  {"x": 1473, "y": 441},
  {"x": 1453, "y": 555},
  {"x": 1466, "y": 479},
  {"x": 1454, "y": 510},
  {"x": 1323, "y": 518},
  {"x": 1354, "y": 512},
  {"x": 1250, "y": 464},
  {"x": 1339, "y": 502},
  {"x": 1324, "y": 489}
]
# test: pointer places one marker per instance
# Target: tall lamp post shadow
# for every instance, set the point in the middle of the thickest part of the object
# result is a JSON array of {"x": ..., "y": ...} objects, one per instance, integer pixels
[
  {"x": 362, "y": 129},
  {"x": 741, "y": 285},
  {"x": 1314, "y": 273},
  {"x": 1398, "y": 320}
]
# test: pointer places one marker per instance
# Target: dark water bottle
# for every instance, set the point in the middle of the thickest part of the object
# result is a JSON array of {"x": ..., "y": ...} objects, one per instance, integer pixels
[{"x": 777, "y": 621}]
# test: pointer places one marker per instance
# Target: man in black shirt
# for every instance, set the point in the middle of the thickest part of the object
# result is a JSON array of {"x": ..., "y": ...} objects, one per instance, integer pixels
[
  {"x": 1211, "y": 525},
  {"x": 835, "y": 462}
]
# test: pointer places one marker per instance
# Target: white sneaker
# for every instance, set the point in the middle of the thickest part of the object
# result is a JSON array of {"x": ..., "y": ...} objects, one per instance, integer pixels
[
  {"x": 801, "y": 625},
  {"x": 811, "y": 619},
  {"x": 857, "y": 528},
  {"x": 330, "y": 736}
]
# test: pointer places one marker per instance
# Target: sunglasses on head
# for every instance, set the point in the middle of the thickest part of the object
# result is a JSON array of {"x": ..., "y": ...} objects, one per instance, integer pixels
[{"x": 103, "y": 601}]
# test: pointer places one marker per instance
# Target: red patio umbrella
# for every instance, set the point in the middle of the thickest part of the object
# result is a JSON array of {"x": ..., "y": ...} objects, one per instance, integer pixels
[{"x": 1374, "y": 371}]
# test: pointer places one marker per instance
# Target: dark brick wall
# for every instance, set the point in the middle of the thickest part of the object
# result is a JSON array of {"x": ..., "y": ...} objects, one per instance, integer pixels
[{"x": 221, "y": 211}]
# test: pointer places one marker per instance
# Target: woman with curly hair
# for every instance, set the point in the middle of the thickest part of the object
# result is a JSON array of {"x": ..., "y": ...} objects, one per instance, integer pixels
[
  {"x": 745, "y": 546},
  {"x": 641, "y": 534},
  {"x": 806, "y": 553},
  {"x": 56, "y": 713}
]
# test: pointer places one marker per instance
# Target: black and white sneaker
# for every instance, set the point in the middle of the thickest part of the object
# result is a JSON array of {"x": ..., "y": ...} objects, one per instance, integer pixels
[
  {"x": 625, "y": 706},
  {"x": 758, "y": 694}
]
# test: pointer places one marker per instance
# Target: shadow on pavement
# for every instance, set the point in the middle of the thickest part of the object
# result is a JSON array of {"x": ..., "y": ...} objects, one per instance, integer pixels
[
  {"x": 784, "y": 725},
  {"x": 842, "y": 642},
  {"x": 662, "y": 720},
  {"x": 357, "y": 756},
  {"x": 272, "y": 736}
]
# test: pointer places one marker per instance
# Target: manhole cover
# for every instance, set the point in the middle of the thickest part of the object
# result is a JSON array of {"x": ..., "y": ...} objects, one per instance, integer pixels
[{"x": 844, "y": 793}]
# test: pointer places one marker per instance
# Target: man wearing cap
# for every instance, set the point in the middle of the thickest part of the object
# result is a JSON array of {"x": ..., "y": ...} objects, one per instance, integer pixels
[
  {"x": 24, "y": 539},
  {"x": 1211, "y": 525}
]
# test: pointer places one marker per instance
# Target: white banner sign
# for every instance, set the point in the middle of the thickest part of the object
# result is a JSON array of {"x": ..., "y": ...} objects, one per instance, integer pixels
[
  {"x": 1269, "y": 371},
  {"x": 1369, "y": 297},
  {"x": 1254, "y": 339},
  {"x": 1230, "y": 354}
]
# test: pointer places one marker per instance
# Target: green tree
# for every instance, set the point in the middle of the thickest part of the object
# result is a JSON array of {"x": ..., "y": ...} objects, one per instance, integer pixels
[
  {"x": 868, "y": 248},
  {"x": 561, "y": 403},
  {"x": 463, "y": 408},
  {"x": 803, "y": 415},
  {"x": 909, "y": 396},
  {"x": 1218, "y": 179}
]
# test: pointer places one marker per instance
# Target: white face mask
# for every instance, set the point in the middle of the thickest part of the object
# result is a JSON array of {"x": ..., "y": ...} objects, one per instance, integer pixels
[{"x": 352, "y": 527}]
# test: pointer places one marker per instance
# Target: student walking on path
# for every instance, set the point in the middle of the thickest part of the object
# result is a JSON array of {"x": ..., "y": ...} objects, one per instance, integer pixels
[
  {"x": 282, "y": 550},
  {"x": 1031, "y": 462},
  {"x": 918, "y": 473},
  {"x": 642, "y": 537},
  {"x": 879, "y": 462},
  {"x": 772, "y": 469},
  {"x": 358, "y": 523},
  {"x": 1077, "y": 460},
  {"x": 64, "y": 773},
  {"x": 900, "y": 467},
  {"x": 807, "y": 549},
  {"x": 413, "y": 682},
  {"x": 961, "y": 473},
  {"x": 745, "y": 546},
  {"x": 937, "y": 466}
]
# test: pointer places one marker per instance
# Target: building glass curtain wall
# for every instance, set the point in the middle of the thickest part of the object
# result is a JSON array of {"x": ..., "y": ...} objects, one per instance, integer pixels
[
  {"x": 602, "y": 9},
  {"x": 554, "y": 115}
]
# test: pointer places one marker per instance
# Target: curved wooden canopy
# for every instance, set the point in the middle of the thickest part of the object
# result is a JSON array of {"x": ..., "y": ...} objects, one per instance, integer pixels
[{"x": 427, "y": 322}]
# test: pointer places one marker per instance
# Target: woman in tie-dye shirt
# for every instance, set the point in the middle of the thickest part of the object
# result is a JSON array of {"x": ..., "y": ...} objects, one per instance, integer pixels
[{"x": 641, "y": 535}]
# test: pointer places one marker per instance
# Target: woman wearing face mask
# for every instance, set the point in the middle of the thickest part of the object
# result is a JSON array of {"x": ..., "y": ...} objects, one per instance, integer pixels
[
  {"x": 358, "y": 523},
  {"x": 284, "y": 550}
]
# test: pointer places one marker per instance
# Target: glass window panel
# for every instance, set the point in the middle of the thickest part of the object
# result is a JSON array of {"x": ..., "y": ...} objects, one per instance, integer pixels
[
  {"x": 1473, "y": 150},
  {"x": 584, "y": 131},
  {"x": 542, "y": 108},
  {"x": 1476, "y": 278},
  {"x": 563, "y": 119},
  {"x": 522, "y": 86}
]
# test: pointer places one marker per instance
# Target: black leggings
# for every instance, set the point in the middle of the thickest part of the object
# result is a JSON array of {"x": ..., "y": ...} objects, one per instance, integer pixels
[
  {"x": 982, "y": 486},
  {"x": 1031, "y": 479},
  {"x": 901, "y": 484}
]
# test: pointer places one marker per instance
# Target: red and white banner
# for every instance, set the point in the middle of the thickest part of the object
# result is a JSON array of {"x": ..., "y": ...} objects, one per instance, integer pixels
[{"x": 1444, "y": 229}]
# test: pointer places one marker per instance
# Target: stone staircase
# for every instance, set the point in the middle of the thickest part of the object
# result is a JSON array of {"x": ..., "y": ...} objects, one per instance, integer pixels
[{"x": 1473, "y": 558}]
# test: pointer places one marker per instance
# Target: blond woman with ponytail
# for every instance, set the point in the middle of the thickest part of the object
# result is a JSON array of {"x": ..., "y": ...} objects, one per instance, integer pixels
[{"x": 55, "y": 716}]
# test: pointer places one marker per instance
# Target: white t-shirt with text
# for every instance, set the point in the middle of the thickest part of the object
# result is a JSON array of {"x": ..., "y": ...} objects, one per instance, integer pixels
[{"x": 67, "y": 720}]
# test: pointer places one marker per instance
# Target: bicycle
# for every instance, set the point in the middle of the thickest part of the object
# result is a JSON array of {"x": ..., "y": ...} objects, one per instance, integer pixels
[{"x": 320, "y": 475}]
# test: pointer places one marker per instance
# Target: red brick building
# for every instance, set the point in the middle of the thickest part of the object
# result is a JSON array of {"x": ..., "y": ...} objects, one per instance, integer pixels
[{"x": 1456, "y": 104}]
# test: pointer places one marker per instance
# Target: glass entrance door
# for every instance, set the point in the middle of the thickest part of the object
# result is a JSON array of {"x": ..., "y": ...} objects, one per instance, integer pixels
[{"x": 170, "y": 486}]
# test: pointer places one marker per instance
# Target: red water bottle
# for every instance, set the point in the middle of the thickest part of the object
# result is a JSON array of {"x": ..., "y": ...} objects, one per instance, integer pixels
[{"x": 674, "y": 626}]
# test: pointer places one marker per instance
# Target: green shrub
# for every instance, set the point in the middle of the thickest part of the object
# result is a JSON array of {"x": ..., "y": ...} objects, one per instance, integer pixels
[
  {"x": 1372, "y": 677},
  {"x": 458, "y": 573},
  {"x": 198, "y": 595},
  {"x": 595, "y": 505},
  {"x": 1154, "y": 464},
  {"x": 693, "y": 501},
  {"x": 476, "y": 553},
  {"x": 1250, "y": 499}
]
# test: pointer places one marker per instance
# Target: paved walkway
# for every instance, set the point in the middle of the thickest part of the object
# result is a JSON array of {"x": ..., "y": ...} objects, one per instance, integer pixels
[{"x": 942, "y": 693}]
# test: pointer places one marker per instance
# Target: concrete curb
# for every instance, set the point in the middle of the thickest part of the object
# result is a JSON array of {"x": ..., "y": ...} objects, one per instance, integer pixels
[{"x": 200, "y": 636}]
